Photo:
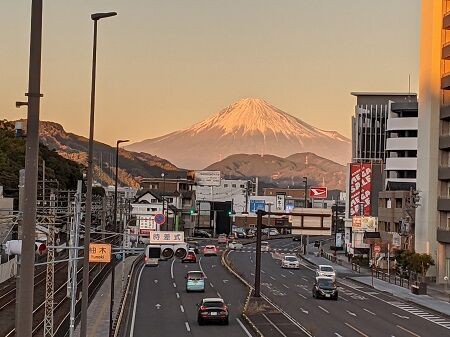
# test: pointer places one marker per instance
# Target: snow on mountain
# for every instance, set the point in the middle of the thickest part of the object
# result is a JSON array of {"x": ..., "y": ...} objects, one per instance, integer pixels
[{"x": 251, "y": 126}]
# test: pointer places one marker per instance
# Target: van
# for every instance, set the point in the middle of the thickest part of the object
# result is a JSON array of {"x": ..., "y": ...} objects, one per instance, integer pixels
[
  {"x": 264, "y": 246},
  {"x": 152, "y": 255}
]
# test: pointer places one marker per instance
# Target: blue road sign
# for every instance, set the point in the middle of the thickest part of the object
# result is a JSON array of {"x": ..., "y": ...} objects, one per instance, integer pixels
[
  {"x": 160, "y": 219},
  {"x": 256, "y": 205}
]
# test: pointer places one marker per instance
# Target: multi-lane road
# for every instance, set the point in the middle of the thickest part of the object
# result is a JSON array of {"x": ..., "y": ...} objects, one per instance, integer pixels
[
  {"x": 163, "y": 308},
  {"x": 360, "y": 310}
]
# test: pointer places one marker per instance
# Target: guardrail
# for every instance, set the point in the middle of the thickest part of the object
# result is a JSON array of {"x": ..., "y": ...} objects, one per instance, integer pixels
[{"x": 118, "y": 327}]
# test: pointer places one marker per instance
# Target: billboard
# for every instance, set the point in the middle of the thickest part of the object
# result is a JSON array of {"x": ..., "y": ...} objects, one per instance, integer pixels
[
  {"x": 280, "y": 201},
  {"x": 318, "y": 193},
  {"x": 360, "y": 188},
  {"x": 167, "y": 237},
  {"x": 315, "y": 221},
  {"x": 364, "y": 224},
  {"x": 146, "y": 222},
  {"x": 256, "y": 205},
  {"x": 207, "y": 178}
]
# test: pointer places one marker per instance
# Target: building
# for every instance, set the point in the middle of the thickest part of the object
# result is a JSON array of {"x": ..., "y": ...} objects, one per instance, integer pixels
[
  {"x": 432, "y": 229},
  {"x": 369, "y": 123},
  {"x": 235, "y": 191}
]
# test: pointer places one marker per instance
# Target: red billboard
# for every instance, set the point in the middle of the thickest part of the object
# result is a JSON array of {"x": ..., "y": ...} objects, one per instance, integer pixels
[
  {"x": 360, "y": 189},
  {"x": 318, "y": 193}
]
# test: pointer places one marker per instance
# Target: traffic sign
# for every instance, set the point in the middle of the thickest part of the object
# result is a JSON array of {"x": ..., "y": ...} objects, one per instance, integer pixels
[
  {"x": 100, "y": 252},
  {"x": 377, "y": 249},
  {"x": 318, "y": 192},
  {"x": 160, "y": 219}
]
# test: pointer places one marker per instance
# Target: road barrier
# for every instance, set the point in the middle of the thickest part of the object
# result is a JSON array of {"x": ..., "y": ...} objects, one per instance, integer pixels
[{"x": 388, "y": 277}]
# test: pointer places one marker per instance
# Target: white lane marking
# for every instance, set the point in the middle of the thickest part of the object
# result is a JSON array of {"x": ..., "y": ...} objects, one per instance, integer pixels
[
  {"x": 301, "y": 295},
  {"x": 337, "y": 335},
  {"x": 370, "y": 312},
  {"x": 218, "y": 295},
  {"x": 262, "y": 271},
  {"x": 282, "y": 275},
  {"x": 156, "y": 281},
  {"x": 421, "y": 313},
  {"x": 343, "y": 298},
  {"x": 351, "y": 313},
  {"x": 200, "y": 265},
  {"x": 135, "y": 303},
  {"x": 304, "y": 279},
  {"x": 181, "y": 308},
  {"x": 404, "y": 329},
  {"x": 277, "y": 328},
  {"x": 244, "y": 328},
  {"x": 285, "y": 286},
  {"x": 252, "y": 274},
  {"x": 304, "y": 311},
  {"x": 400, "y": 316},
  {"x": 171, "y": 269},
  {"x": 291, "y": 272},
  {"x": 358, "y": 331},
  {"x": 174, "y": 285},
  {"x": 178, "y": 295},
  {"x": 323, "y": 309},
  {"x": 212, "y": 286},
  {"x": 188, "y": 328},
  {"x": 273, "y": 278}
]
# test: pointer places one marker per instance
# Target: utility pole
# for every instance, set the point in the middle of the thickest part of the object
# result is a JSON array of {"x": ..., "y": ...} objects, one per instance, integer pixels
[
  {"x": 24, "y": 317},
  {"x": 73, "y": 257},
  {"x": 49, "y": 280},
  {"x": 259, "y": 215}
]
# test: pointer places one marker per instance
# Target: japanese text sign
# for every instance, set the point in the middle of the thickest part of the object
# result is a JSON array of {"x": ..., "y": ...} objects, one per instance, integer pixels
[{"x": 100, "y": 252}]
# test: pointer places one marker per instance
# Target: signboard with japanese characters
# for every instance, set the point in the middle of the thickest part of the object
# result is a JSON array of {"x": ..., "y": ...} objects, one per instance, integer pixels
[
  {"x": 100, "y": 252},
  {"x": 146, "y": 222},
  {"x": 207, "y": 178},
  {"x": 280, "y": 201},
  {"x": 166, "y": 237},
  {"x": 360, "y": 188}
]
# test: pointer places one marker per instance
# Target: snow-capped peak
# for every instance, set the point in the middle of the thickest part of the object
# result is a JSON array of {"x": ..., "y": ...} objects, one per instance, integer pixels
[{"x": 255, "y": 115}]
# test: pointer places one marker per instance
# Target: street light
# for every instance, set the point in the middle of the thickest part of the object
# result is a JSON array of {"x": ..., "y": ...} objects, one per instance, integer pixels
[
  {"x": 87, "y": 232},
  {"x": 305, "y": 181},
  {"x": 111, "y": 306}
]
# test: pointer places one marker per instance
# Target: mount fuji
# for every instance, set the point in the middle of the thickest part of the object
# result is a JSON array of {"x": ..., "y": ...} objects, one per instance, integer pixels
[{"x": 248, "y": 126}]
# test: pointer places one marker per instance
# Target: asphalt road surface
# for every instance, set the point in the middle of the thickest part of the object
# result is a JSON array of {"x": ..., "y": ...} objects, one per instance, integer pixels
[
  {"x": 360, "y": 310},
  {"x": 164, "y": 308}
]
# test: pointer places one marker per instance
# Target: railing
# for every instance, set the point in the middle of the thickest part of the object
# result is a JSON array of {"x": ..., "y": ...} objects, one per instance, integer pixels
[
  {"x": 391, "y": 278},
  {"x": 356, "y": 267},
  {"x": 331, "y": 257}
]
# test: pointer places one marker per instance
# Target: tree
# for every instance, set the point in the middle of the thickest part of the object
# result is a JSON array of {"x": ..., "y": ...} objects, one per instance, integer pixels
[{"x": 420, "y": 263}]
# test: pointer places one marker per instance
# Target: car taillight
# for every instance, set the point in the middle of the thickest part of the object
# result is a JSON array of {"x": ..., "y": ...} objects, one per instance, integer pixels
[
  {"x": 202, "y": 308},
  {"x": 146, "y": 259}
]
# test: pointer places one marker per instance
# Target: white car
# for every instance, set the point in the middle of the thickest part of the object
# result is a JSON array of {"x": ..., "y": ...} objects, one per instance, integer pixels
[
  {"x": 274, "y": 232},
  {"x": 326, "y": 270},
  {"x": 290, "y": 261},
  {"x": 235, "y": 245}
]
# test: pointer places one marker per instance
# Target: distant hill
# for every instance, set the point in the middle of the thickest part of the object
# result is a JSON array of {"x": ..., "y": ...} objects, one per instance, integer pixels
[
  {"x": 287, "y": 171},
  {"x": 132, "y": 165},
  {"x": 250, "y": 125},
  {"x": 12, "y": 159}
]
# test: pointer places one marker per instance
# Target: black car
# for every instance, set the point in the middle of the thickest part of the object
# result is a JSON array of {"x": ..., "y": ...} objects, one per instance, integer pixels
[
  {"x": 199, "y": 233},
  {"x": 212, "y": 310},
  {"x": 325, "y": 287},
  {"x": 195, "y": 246}
]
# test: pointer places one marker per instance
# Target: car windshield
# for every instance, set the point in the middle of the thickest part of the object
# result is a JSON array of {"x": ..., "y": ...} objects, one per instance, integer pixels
[
  {"x": 324, "y": 283},
  {"x": 213, "y": 304},
  {"x": 326, "y": 268},
  {"x": 195, "y": 276},
  {"x": 290, "y": 258}
]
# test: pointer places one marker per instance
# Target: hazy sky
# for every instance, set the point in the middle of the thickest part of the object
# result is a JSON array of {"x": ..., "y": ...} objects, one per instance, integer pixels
[{"x": 165, "y": 64}]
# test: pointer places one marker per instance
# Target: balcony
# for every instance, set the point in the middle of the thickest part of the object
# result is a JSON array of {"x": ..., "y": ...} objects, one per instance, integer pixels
[
  {"x": 446, "y": 21},
  {"x": 445, "y": 112},
  {"x": 445, "y": 81},
  {"x": 444, "y": 173},
  {"x": 444, "y": 143},
  {"x": 402, "y": 123},
  {"x": 401, "y": 144},
  {"x": 404, "y": 106},
  {"x": 443, "y": 235},
  {"x": 401, "y": 164},
  {"x": 444, "y": 204},
  {"x": 446, "y": 51}
]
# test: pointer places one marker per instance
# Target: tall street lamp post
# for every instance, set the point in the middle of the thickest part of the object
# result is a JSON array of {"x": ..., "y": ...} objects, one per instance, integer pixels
[
  {"x": 87, "y": 231},
  {"x": 25, "y": 288},
  {"x": 111, "y": 305}
]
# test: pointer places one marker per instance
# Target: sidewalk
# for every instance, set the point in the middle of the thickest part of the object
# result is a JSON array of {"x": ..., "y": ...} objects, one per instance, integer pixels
[
  {"x": 434, "y": 301},
  {"x": 98, "y": 311}
]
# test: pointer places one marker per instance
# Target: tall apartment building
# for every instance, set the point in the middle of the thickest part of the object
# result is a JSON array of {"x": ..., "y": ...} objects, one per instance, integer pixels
[
  {"x": 432, "y": 230},
  {"x": 369, "y": 123}
]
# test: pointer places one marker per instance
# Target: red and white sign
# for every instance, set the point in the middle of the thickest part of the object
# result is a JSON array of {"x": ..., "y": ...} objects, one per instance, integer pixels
[
  {"x": 360, "y": 188},
  {"x": 377, "y": 249},
  {"x": 318, "y": 192}
]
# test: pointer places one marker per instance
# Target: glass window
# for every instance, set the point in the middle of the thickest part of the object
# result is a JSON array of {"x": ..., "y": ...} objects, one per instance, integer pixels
[
  {"x": 225, "y": 185},
  {"x": 233, "y": 185}
]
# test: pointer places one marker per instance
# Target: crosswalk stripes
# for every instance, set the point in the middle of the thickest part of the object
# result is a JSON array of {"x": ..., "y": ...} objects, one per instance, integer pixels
[
  {"x": 421, "y": 313},
  {"x": 276, "y": 250}
]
